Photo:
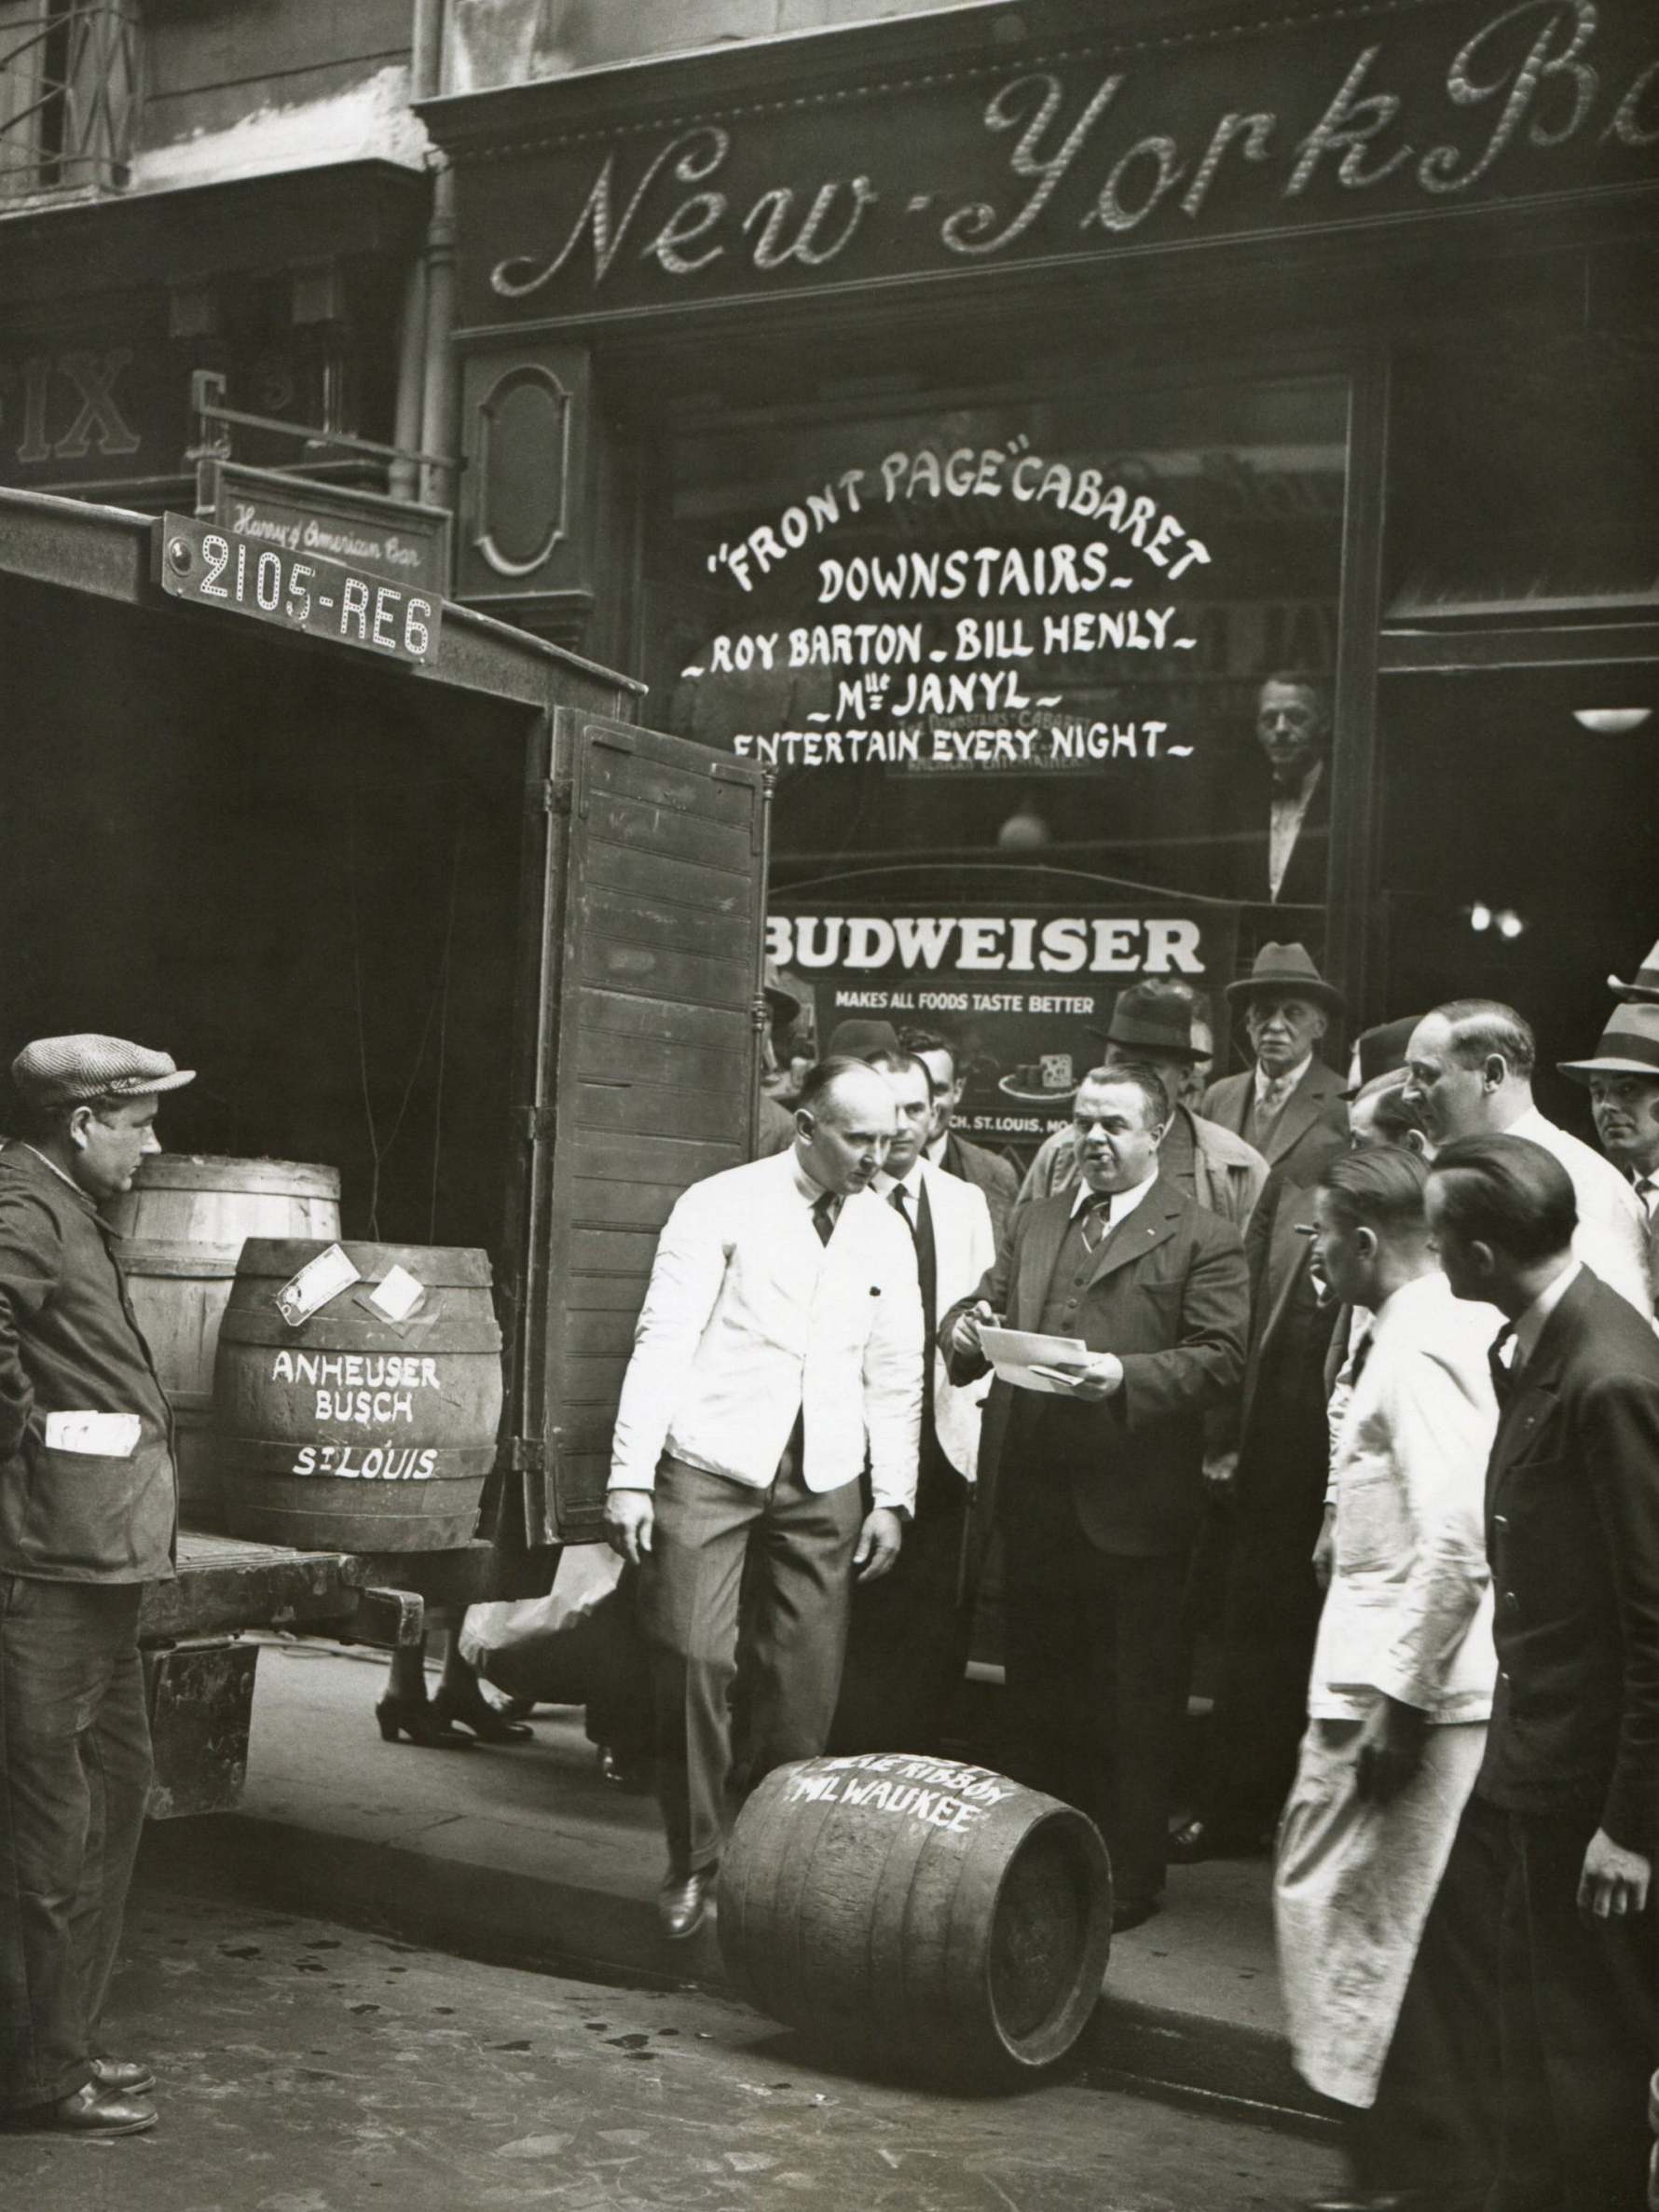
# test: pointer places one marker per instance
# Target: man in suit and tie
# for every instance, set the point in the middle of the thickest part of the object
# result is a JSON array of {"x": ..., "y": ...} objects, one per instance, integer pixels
[
  {"x": 1471, "y": 1065},
  {"x": 1286, "y": 865},
  {"x": 907, "y": 1638},
  {"x": 1568, "y": 1788},
  {"x": 1097, "y": 1488},
  {"x": 780, "y": 1341},
  {"x": 1153, "y": 1023},
  {"x": 1623, "y": 1080},
  {"x": 1289, "y": 1106},
  {"x": 946, "y": 1147}
]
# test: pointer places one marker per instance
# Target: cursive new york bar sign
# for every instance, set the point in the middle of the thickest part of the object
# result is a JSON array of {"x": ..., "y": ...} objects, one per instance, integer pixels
[{"x": 1384, "y": 110}]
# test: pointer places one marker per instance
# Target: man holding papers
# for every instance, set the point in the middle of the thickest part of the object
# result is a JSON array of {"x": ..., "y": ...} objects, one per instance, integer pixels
[{"x": 1096, "y": 1480}]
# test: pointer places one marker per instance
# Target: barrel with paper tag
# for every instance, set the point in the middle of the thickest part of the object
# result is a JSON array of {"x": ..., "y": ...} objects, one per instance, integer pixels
[{"x": 357, "y": 1394}]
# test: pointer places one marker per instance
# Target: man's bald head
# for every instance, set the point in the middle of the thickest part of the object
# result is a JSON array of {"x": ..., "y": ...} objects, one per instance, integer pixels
[{"x": 844, "y": 1122}]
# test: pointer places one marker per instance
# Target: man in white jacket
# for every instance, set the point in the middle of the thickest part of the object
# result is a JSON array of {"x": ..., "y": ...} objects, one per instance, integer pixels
[
  {"x": 1379, "y": 1921},
  {"x": 779, "y": 1344}
]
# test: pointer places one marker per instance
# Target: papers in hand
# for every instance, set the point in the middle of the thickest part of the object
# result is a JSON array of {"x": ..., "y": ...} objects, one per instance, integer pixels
[
  {"x": 1021, "y": 1355},
  {"x": 101, "y": 1435}
]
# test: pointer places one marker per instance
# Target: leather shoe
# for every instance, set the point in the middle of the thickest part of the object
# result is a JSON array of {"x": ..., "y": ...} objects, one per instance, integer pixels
[
  {"x": 127, "y": 2077},
  {"x": 682, "y": 1903},
  {"x": 1131, "y": 1914},
  {"x": 1198, "y": 1839},
  {"x": 619, "y": 1772},
  {"x": 91, "y": 2110}
]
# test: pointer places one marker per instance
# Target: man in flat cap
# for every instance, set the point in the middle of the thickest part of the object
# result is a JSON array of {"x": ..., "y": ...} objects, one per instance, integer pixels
[{"x": 88, "y": 1515}]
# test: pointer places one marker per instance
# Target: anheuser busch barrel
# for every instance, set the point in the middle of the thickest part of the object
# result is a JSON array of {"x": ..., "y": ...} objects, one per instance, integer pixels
[
  {"x": 913, "y": 1914},
  {"x": 353, "y": 1432},
  {"x": 182, "y": 1226}
]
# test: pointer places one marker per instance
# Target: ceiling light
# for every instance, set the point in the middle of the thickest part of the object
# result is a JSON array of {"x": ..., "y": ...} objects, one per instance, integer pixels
[
  {"x": 1480, "y": 916},
  {"x": 1509, "y": 923},
  {"x": 1611, "y": 721}
]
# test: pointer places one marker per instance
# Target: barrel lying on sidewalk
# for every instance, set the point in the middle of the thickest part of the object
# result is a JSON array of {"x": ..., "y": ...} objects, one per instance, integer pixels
[{"x": 908, "y": 1913}]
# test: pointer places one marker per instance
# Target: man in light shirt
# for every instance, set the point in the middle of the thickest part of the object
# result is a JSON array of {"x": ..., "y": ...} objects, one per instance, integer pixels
[
  {"x": 1378, "y": 1913},
  {"x": 907, "y": 1641},
  {"x": 1293, "y": 728},
  {"x": 1469, "y": 1065},
  {"x": 779, "y": 1342}
]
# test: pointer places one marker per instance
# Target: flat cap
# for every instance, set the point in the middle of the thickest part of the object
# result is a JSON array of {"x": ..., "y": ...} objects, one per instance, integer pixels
[{"x": 70, "y": 1070}]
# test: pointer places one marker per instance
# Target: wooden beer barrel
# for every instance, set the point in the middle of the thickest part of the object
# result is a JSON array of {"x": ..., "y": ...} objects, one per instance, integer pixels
[
  {"x": 351, "y": 1432},
  {"x": 182, "y": 1226},
  {"x": 908, "y": 1913}
]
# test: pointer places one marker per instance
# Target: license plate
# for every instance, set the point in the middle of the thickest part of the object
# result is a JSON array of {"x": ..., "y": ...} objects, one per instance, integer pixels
[{"x": 296, "y": 591}]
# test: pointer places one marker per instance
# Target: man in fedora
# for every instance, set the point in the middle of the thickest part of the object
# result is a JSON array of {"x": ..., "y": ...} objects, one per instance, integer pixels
[
  {"x": 1623, "y": 1080},
  {"x": 88, "y": 1515},
  {"x": 1643, "y": 986},
  {"x": 1153, "y": 1023},
  {"x": 1289, "y": 1106}
]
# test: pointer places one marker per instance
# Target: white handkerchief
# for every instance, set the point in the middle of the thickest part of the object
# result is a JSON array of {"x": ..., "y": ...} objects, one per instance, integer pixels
[{"x": 102, "y": 1435}]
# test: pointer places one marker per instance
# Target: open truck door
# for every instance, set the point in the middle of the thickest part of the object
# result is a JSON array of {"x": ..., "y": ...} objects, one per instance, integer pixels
[{"x": 650, "y": 856}]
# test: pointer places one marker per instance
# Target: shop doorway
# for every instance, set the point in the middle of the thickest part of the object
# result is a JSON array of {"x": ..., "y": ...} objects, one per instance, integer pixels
[{"x": 1520, "y": 848}]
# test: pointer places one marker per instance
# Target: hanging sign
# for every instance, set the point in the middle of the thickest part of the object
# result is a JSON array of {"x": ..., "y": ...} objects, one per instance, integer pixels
[
  {"x": 398, "y": 539},
  {"x": 296, "y": 591}
]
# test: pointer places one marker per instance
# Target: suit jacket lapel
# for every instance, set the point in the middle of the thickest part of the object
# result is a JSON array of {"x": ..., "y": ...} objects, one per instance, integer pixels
[
  {"x": 1151, "y": 1224},
  {"x": 1301, "y": 1110}
]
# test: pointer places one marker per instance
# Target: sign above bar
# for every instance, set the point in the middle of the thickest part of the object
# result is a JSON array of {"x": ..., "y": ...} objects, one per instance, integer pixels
[
  {"x": 397, "y": 539},
  {"x": 1373, "y": 112},
  {"x": 326, "y": 598}
]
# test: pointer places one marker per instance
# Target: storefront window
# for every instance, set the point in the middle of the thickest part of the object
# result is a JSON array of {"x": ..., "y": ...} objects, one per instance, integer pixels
[
  {"x": 1047, "y": 685},
  {"x": 1028, "y": 626}
]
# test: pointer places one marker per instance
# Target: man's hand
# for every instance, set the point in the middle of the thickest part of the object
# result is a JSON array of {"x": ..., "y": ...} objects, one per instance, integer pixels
[
  {"x": 1098, "y": 1378},
  {"x": 1324, "y": 1549},
  {"x": 1615, "y": 1882},
  {"x": 1221, "y": 1471},
  {"x": 1390, "y": 1751},
  {"x": 965, "y": 1330},
  {"x": 630, "y": 1515},
  {"x": 879, "y": 1541}
]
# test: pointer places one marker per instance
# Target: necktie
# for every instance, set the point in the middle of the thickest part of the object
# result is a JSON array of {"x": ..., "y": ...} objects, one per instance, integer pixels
[
  {"x": 901, "y": 1197},
  {"x": 1504, "y": 1377},
  {"x": 896, "y": 1197},
  {"x": 1358, "y": 1353},
  {"x": 1097, "y": 1220},
  {"x": 824, "y": 1209},
  {"x": 1647, "y": 1189}
]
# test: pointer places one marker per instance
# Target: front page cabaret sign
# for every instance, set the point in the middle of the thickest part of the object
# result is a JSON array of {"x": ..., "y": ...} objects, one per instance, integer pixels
[
  {"x": 1399, "y": 108},
  {"x": 1024, "y": 993}
]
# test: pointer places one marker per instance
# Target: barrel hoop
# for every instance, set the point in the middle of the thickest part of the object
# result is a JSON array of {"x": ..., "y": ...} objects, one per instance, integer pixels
[
  {"x": 215, "y": 1171},
  {"x": 439, "y": 1267},
  {"x": 153, "y": 1257}
]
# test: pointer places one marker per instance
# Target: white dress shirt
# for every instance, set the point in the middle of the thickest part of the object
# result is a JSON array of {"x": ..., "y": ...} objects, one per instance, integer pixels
[
  {"x": 1287, "y": 813},
  {"x": 1409, "y": 1609},
  {"x": 1611, "y": 1237},
  {"x": 1123, "y": 1201},
  {"x": 750, "y": 1320},
  {"x": 1529, "y": 1326}
]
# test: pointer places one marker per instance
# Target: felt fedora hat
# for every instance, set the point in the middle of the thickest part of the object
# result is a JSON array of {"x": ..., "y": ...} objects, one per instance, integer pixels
[
  {"x": 1628, "y": 1046},
  {"x": 1288, "y": 971},
  {"x": 1382, "y": 1051},
  {"x": 1644, "y": 983},
  {"x": 1155, "y": 1022},
  {"x": 855, "y": 1040}
]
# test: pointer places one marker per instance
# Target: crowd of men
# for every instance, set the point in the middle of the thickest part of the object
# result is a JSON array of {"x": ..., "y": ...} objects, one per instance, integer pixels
[{"x": 1392, "y": 1337}]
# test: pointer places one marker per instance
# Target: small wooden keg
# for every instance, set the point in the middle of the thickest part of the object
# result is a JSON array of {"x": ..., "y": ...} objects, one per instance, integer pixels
[
  {"x": 910, "y": 1914},
  {"x": 353, "y": 1432},
  {"x": 182, "y": 1226}
]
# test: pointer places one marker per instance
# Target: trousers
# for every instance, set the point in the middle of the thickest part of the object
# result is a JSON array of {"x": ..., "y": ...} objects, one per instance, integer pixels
[
  {"x": 1580, "y": 2028},
  {"x": 74, "y": 1775},
  {"x": 1096, "y": 1678},
  {"x": 799, "y": 1546},
  {"x": 908, "y": 1634}
]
